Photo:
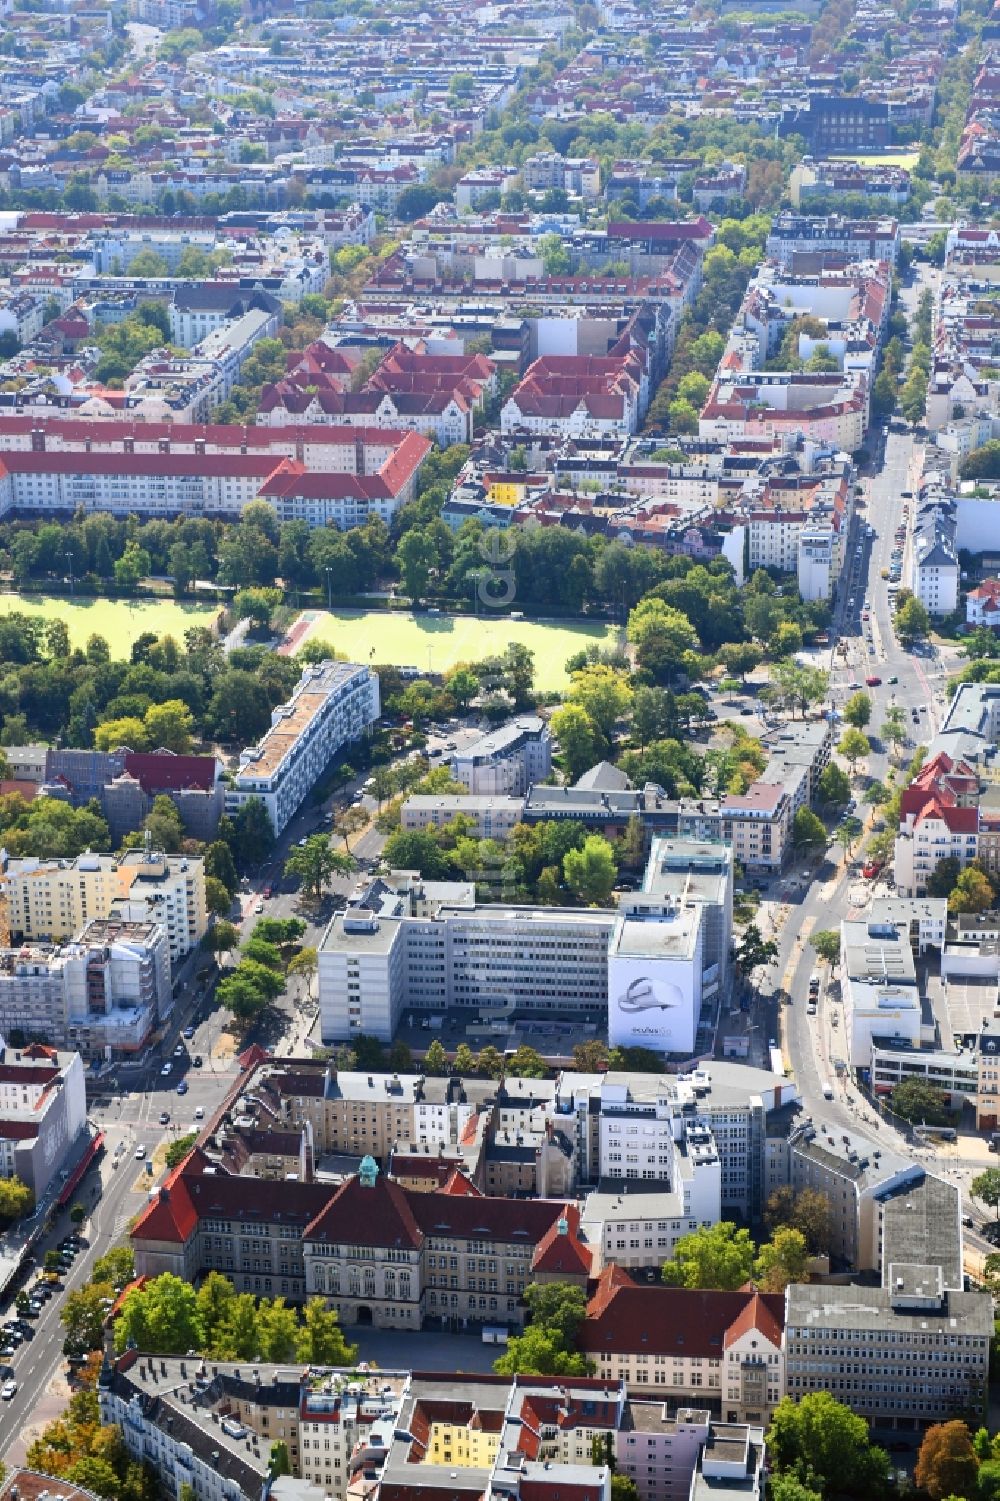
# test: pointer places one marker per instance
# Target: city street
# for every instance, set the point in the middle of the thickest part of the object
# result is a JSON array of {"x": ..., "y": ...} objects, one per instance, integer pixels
[{"x": 813, "y": 1045}]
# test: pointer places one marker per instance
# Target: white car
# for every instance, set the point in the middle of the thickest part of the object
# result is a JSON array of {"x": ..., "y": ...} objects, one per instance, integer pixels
[
  {"x": 140, "y": 1152},
  {"x": 165, "y": 1071},
  {"x": 8, "y": 1390},
  {"x": 199, "y": 1114}
]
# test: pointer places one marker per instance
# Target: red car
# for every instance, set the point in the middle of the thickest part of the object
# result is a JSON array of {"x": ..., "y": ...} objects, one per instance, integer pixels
[
  {"x": 266, "y": 892},
  {"x": 871, "y": 870},
  {"x": 873, "y": 682}
]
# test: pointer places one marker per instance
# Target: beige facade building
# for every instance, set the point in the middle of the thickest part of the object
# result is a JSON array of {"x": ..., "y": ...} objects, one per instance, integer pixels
[{"x": 53, "y": 899}]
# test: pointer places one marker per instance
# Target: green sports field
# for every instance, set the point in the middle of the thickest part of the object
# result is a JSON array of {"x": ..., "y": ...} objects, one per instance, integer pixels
[
  {"x": 119, "y": 621},
  {"x": 905, "y": 159},
  {"x": 436, "y": 642}
]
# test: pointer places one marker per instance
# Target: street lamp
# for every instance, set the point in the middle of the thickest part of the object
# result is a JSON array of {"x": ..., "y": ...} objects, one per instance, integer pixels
[{"x": 69, "y": 559}]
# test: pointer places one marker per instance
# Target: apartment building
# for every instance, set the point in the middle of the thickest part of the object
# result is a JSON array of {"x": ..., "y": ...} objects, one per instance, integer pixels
[
  {"x": 507, "y": 760},
  {"x": 988, "y": 1076},
  {"x": 721, "y": 1350},
  {"x": 334, "y": 703},
  {"x": 756, "y": 824},
  {"x": 626, "y": 1127},
  {"x": 934, "y": 565},
  {"x": 191, "y": 386},
  {"x": 795, "y": 747},
  {"x": 684, "y": 1455},
  {"x": 640, "y": 1230},
  {"x": 579, "y": 175},
  {"x": 577, "y": 396},
  {"x": 55, "y": 899},
  {"x": 102, "y": 993},
  {"x": 43, "y": 1112},
  {"x": 939, "y": 819},
  {"x": 359, "y": 1114},
  {"x": 491, "y": 817},
  {"x": 337, "y": 483},
  {"x": 213, "y": 1423},
  {"x": 792, "y": 235},
  {"x": 473, "y": 1436},
  {"x": 907, "y": 1354},
  {"x": 166, "y": 889},
  {"x": 830, "y": 408}
]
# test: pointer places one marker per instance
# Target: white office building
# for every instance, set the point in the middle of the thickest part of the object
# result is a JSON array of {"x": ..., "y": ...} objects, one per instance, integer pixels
[
  {"x": 333, "y": 704},
  {"x": 879, "y": 987}
]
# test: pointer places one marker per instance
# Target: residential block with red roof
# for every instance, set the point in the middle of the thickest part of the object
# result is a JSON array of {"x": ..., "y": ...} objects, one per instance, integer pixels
[
  {"x": 435, "y": 395},
  {"x": 939, "y": 819}
]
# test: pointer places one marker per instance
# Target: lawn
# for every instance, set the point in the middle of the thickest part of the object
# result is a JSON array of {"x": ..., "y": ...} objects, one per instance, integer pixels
[
  {"x": 437, "y": 642},
  {"x": 119, "y": 621}
]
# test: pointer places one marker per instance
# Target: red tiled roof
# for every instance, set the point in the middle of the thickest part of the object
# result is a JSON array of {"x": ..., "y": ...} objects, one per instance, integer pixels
[
  {"x": 380, "y": 1215},
  {"x": 755, "y": 1315},
  {"x": 561, "y": 1251},
  {"x": 190, "y": 1194},
  {"x": 458, "y": 1183},
  {"x": 623, "y": 1317},
  {"x": 689, "y": 229},
  {"x": 18, "y": 1073},
  {"x": 155, "y": 771}
]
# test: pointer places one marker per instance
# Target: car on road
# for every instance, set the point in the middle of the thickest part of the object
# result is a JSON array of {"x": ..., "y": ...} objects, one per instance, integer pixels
[
  {"x": 196, "y": 1060},
  {"x": 140, "y": 1152},
  {"x": 179, "y": 1050},
  {"x": 873, "y": 681},
  {"x": 302, "y": 842},
  {"x": 893, "y": 681},
  {"x": 164, "y": 1117},
  {"x": 188, "y": 1033},
  {"x": 165, "y": 1071},
  {"x": 267, "y": 889},
  {"x": 8, "y": 1390},
  {"x": 182, "y": 1087},
  {"x": 258, "y": 905},
  {"x": 199, "y": 1114}
]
